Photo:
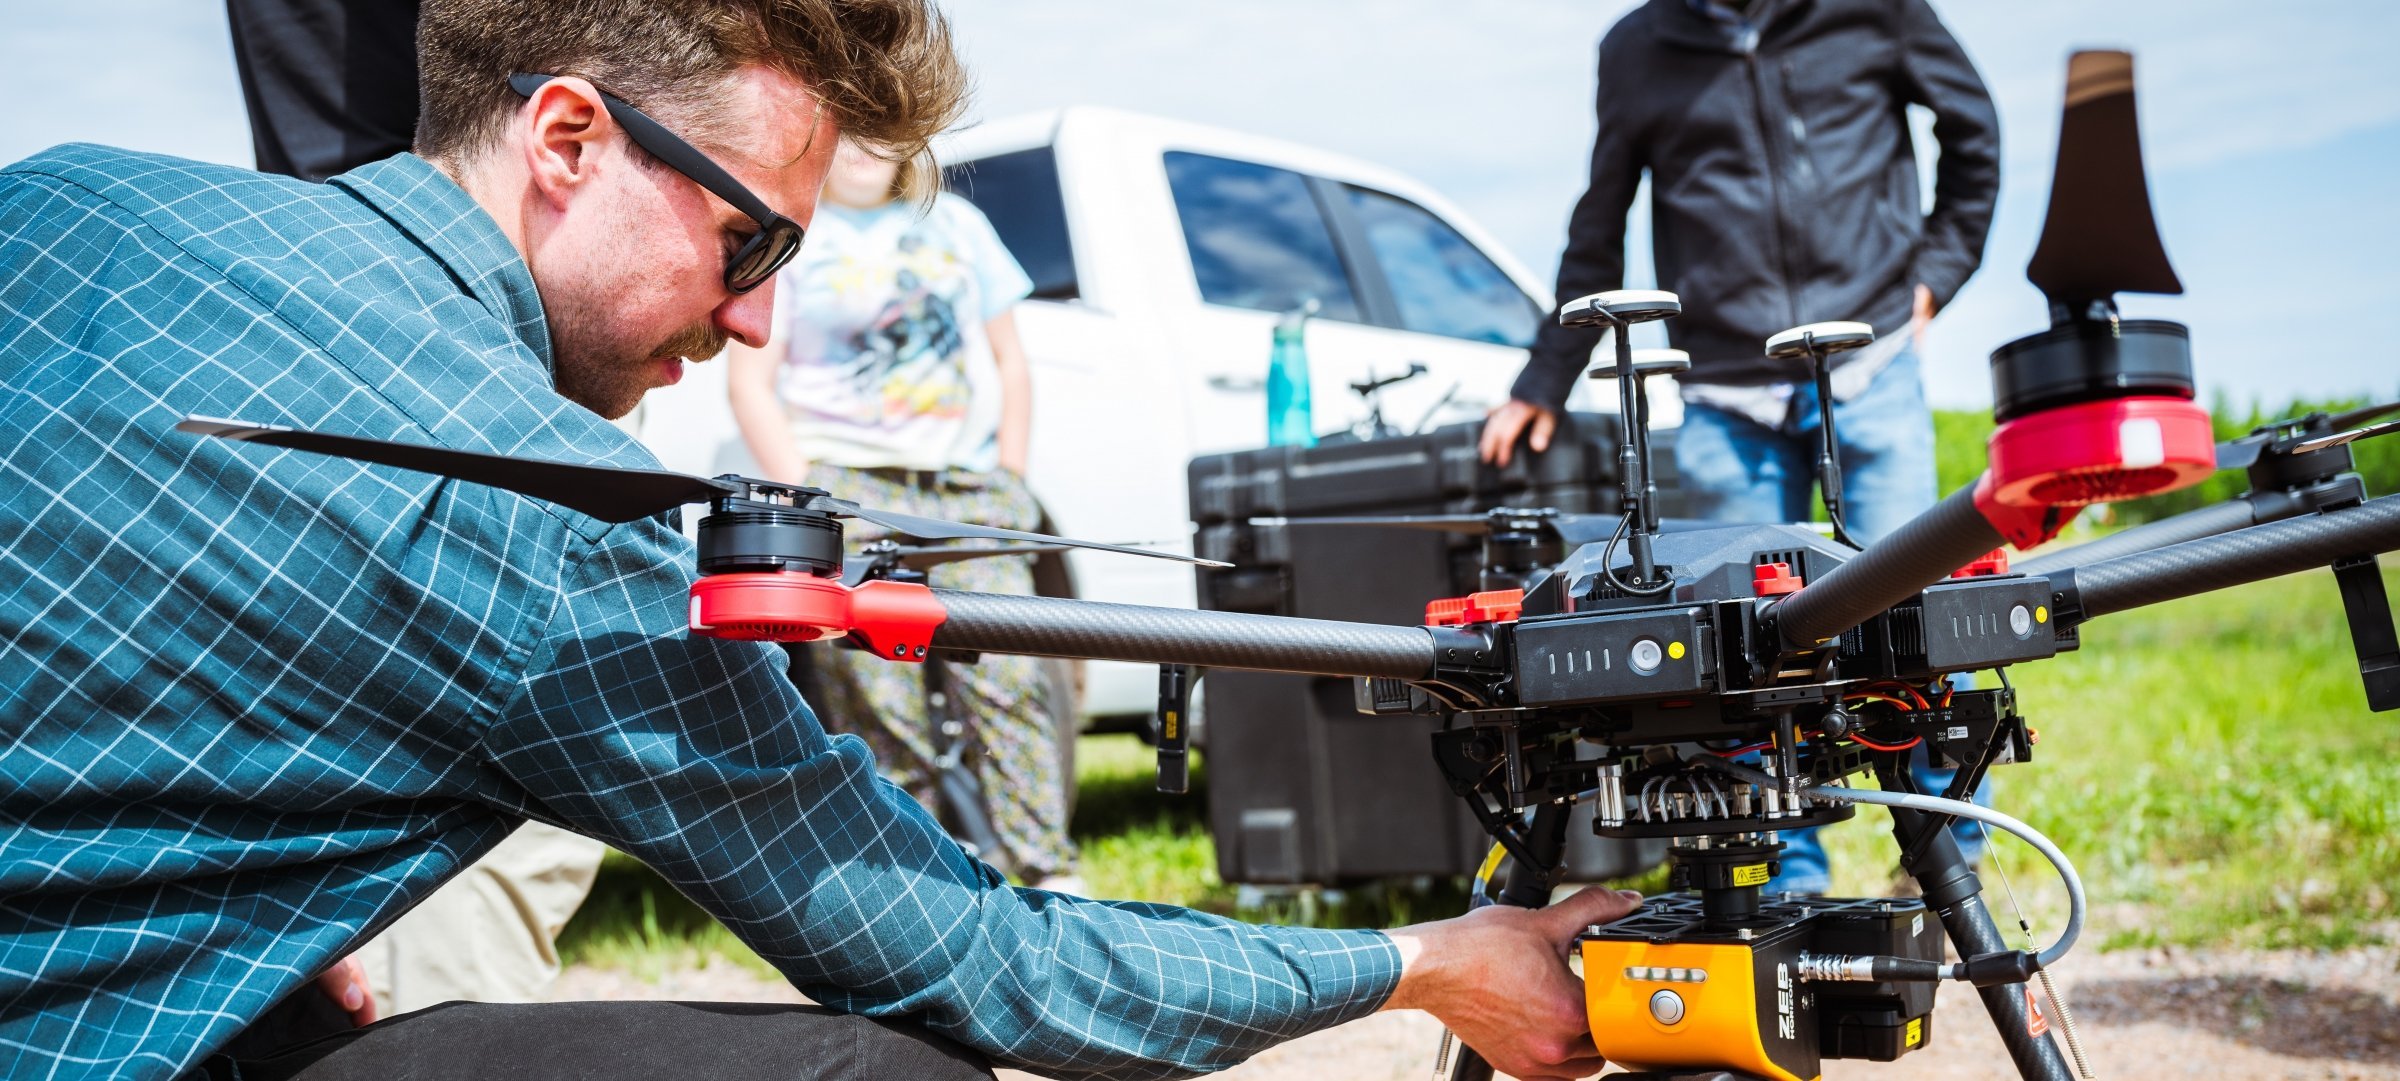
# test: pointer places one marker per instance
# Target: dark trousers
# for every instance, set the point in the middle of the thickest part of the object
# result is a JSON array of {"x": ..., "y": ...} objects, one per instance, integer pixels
[
  {"x": 595, "y": 1041},
  {"x": 331, "y": 84}
]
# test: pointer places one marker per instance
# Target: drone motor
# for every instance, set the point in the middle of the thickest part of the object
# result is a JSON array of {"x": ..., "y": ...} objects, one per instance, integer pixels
[{"x": 2098, "y": 408}]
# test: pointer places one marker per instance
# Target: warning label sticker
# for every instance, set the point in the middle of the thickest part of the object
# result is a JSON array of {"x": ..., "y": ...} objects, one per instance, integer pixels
[
  {"x": 2035, "y": 1023},
  {"x": 1750, "y": 875}
]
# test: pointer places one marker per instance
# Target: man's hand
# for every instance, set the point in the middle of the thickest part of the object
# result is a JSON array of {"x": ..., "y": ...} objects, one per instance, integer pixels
[
  {"x": 346, "y": 984},
  {"x": 1498, "y": 977},
  {"x": 1502, "y": 426},
  {"x": 1920, "y": 316}
]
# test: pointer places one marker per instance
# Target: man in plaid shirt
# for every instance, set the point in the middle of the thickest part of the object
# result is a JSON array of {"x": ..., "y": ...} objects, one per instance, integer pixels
[{"x": 253, "y": 706}]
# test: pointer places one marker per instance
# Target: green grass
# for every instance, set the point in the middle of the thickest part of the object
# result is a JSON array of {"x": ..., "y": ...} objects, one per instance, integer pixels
[{"x": 2209, "y": 765}]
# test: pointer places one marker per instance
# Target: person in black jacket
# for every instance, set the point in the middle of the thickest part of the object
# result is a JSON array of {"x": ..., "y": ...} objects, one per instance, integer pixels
[{"x": 1783, "y": 191}]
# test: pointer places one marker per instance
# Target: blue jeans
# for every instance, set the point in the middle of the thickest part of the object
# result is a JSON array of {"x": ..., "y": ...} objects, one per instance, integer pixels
[{"x": 1733, "y": 469}]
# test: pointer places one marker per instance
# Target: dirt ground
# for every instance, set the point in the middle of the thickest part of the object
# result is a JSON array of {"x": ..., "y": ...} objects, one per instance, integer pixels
[{"x": 2140, "y": 1014}]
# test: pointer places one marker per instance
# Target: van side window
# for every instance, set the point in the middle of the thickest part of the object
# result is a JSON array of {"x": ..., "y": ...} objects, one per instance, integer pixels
[
  {"x": 1257, "y": 236},
  {"x": 1441, "y": 283},
  {"x": 1019, "y": 192}
]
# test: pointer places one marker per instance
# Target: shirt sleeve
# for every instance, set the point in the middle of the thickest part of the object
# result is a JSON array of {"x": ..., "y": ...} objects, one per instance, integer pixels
[
  {"x": 1594, "y": 259},
  {"x": 697, "y": 757},
  {"x": 999, "y": 279},
  {"x": 1966, "y": 177}
]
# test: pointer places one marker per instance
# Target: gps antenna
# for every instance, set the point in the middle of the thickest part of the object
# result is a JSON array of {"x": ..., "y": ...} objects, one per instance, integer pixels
[
  {"x": 1619, "y": 310},
  {"x": 1817, "y": 342}
]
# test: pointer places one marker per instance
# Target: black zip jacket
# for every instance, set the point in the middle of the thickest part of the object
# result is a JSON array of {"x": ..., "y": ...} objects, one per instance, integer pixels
[{"x": 1783, "y": 185}]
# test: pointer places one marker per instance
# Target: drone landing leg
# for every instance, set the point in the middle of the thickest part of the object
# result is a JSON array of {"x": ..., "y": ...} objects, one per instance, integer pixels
[
  {"x": 2371, "y": 630},
  {"x": 1529, "y": 886},
  {"x": 1954, "y": 895}
]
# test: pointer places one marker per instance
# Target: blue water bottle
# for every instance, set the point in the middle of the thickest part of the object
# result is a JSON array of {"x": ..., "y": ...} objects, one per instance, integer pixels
[{"x": 1290, "y": 422}]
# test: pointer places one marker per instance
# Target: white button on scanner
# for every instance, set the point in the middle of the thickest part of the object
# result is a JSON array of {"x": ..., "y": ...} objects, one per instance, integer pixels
[
  {"x": 1645, "y": 655},
  {"x": 1667, "y": 1007}
]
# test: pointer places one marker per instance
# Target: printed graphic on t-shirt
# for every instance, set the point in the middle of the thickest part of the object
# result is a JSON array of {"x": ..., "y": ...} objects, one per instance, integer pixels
[
  {"x": 888, "y": 364},
  {"x": 906, "y": 362}
]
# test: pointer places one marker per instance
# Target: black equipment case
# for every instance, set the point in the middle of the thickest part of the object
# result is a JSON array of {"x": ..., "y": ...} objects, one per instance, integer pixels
[{"x": 1302, "y": 787}]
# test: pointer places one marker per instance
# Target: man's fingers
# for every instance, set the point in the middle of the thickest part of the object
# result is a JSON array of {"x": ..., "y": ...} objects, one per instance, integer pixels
[
  {"x": 1500, "y": 434},
  {"x": 1544, "y": 422},
  {"x": 1500, "y": 431},
  {"x": 1591, "y": 906},
  {"x": 346, "y": 984}
]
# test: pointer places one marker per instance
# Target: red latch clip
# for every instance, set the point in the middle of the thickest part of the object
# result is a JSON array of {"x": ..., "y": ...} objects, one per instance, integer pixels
[
  {"x": 1490, "y": 606},
  {"x": 1774, "y": 580},
  {"x": 1995, "y": 562}
]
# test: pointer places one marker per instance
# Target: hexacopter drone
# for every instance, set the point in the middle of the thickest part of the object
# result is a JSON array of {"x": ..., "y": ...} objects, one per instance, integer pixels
[{"x": 1712, "y": 685}]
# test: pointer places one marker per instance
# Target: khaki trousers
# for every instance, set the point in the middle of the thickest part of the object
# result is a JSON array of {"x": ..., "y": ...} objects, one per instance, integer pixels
[{"x": 491, "y": 934}]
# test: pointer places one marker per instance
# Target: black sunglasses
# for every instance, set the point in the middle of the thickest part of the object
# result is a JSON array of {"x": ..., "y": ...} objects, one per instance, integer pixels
[{"x": 778, "y": 237}]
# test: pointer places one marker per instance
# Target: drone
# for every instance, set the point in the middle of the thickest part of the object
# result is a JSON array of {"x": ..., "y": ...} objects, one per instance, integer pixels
[{"x": 1705, "y": 683}]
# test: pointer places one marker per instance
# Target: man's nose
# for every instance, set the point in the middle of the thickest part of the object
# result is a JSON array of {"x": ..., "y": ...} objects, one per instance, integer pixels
[{"x": 748, "y": 317}]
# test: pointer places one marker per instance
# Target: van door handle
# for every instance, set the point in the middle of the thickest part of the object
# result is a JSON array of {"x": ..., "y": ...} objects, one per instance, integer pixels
[{"x": 1237, "y": 383}]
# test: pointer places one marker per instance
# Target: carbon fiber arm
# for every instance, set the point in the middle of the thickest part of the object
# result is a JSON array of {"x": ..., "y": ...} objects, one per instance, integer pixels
[
  {"x": 1918, "y": 554},
  {"x": 1059, "y": 627},
  {"x": 2244, "y": 555},
  {"x": 2192, "y": 525}
]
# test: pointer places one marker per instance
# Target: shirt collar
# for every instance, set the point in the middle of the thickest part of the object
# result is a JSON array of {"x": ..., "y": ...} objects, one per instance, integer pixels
[{"x": 427, "y": 205}]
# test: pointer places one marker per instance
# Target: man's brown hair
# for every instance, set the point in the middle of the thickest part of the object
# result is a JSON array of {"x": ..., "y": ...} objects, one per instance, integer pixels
[{"x": 884, "y": 70}]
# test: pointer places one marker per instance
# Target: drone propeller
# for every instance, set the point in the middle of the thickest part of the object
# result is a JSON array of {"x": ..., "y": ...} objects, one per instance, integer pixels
[
  {"x": 2309, "y": 446},
  {"x": 2306, "y": 435},
  {"x": 611, "y": 493},
  {"x": 2099, "y": 237},
  {"x": 1439, "y": 523},
  {"x": 2357, "y": 417},
  {"x": 608, "y": 493},
  {"x": 1570, "y": 528},
  {"x": 857, "y": 568}
]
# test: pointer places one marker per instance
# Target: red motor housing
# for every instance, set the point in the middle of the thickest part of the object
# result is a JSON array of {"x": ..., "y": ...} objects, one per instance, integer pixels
[
  {"x": 2101, "y": 452},
  {"x": 894, "y": 620}
]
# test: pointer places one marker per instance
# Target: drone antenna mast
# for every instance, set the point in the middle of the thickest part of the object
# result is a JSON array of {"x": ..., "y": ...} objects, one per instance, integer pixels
[
  {"x": 1817, "y": 343},
  {"x": 1618, "y": 311}
]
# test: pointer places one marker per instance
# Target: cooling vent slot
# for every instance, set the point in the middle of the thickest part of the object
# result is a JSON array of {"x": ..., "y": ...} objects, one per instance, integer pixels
[{"x": 1795, "y": 558}]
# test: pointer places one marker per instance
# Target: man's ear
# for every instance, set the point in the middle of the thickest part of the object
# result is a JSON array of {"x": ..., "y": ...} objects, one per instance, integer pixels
[{"x": 563, "y": 125}]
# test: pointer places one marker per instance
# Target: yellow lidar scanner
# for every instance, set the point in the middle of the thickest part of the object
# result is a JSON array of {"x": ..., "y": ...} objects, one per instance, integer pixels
[{"x": 1665, "y": 991}]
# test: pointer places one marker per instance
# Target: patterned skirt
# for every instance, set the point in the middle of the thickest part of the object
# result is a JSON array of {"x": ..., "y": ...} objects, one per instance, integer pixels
[{"x": 1007, "y": 706}]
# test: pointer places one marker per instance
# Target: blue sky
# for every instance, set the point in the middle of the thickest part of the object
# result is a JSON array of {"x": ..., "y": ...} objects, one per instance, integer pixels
[{"x": 2272, "y": 131}]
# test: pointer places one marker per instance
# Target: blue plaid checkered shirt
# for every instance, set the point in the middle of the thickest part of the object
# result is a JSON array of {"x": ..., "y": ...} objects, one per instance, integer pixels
[{"x": 254, "y": 703}]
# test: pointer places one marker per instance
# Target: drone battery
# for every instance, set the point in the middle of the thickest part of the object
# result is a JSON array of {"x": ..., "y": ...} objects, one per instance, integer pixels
[
  {"x": 1972, "y": 623},
  {"x": 1615, "y": 656}
]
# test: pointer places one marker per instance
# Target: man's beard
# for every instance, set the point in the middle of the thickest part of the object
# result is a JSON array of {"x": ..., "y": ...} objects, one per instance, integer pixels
[{"x": 611, "y": 381}]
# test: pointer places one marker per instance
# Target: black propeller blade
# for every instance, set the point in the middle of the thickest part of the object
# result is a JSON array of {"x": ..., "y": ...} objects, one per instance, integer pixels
[
  {"x": 2356, "y": 417},
  {"x": 936, "y": 529},
  {"x": 609, "y": 493},
  {"x": 2310, "y": 446},
  {"x": 1571, "y": 528},
  {"x": 1439, "y": 523},
  {"x": 605, "y": 492},
  {"x": 920, "y": 557},
  {"x": 2100, "y": 237},
  {"x": 2292, "y": 436}
]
